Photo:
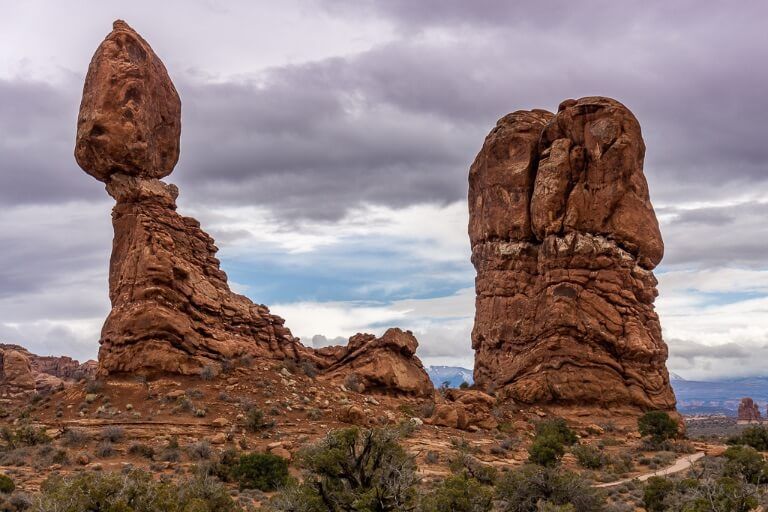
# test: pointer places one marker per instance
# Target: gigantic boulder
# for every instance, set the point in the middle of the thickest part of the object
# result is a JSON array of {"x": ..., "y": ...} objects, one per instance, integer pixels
[
  {"x": 15, "y": 369},
  {"x": 130, "y": 115},
  {"x": 172, "y": 309},
  {"x": 748, "y": 410},
  {"x": 564, "y": 241},
  {"x": 385, "y": 365}
]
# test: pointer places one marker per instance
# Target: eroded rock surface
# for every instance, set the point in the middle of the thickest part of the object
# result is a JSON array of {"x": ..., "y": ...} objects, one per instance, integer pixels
[
  {"x": 16, "y": 370},
  {"x": 130, "y": 115},
  {"x": 748, "y": 410},
  {"x": 387, "y": 364},
  {"x": 172, "y": 309},
  {"x": 564, "y": 241}
]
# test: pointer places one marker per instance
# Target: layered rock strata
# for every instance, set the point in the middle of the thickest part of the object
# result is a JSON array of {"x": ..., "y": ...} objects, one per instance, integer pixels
[
  {"x": 385, "y": 364},
  {"x": 564, "y": 241},
  {"x": 748, "y": 410},
  {"x": 172, "y": 309}
]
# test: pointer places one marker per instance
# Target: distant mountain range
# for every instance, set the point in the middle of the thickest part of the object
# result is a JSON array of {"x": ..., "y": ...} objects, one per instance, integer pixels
[
  {"x": 693, "y": 397},
  {"x": 453, "y": 375}
]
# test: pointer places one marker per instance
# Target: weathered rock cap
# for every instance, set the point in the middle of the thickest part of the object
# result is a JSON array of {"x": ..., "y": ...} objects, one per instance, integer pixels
[{"x": 130, "y": 114}]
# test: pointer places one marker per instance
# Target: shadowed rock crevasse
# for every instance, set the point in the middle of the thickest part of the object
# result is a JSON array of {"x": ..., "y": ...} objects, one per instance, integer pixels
[{"x": 564, "y": 241}]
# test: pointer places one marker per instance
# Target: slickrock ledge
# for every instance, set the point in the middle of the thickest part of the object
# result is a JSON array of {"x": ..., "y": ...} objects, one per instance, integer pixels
[{"x": 564, "y": 241}]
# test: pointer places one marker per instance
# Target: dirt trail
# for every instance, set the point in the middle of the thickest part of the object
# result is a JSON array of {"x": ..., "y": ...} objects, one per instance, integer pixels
[{"x": 680, "y": 464}]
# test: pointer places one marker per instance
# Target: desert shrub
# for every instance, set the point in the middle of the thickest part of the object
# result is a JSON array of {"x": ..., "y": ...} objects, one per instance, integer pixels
[
  {"x": 746, "y": 462},
  {"x": 658, "y": 425},
  {"x": 25, "y": 435},
  {"x": 588, "y": 456},
  {"x": 255, "y": 420},
  {"x": 142, "y": 450},
  {"x": 464, "y": 463},
  {"x": 94, "y": 386},
  {"x": 432, "y": 457},
  {"x": 558, "y": 429},
  {"x": 309, "y": 369},
  {"x": 522, "y": 489},
  {"x": 112, "y": 433},
  {"x": 546, "y": 506},
  {"x": 75, "y": 437},
  {"x": 353, "y": 383},
  {"x": 546, "y": 450},
  {"x": 135, "y": 491},
  {"x": 459, "y": 493},
  {"x": 6, "y": 484},
  {"x": 655, "y": 493},
  {"x": 195, "y": 393},
  {"x": 200, "y": 450},
  {"x": 263, "y": 471},
  {"x": 464, "y": 385},
  {"x": 105, "y": 449},
  {"x": 354, "y": 469},
  {"x": 755, "y": 436},
  {"x": 208, "y": 373}
]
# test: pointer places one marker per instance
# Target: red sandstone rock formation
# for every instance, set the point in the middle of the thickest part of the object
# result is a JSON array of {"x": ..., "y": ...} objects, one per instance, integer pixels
[
  {"x": 385, "y": 364},
  {"x": 44, "y": 372},
  {"x": 748, "y": 410},
  {"x": 15, "y": 369},
  {"x": 172, "y": 310},
  {"x": 564, "y": 241}
]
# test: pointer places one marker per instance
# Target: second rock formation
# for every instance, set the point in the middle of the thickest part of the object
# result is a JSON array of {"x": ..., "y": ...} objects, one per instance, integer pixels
[{"x": 564, "y": 241}]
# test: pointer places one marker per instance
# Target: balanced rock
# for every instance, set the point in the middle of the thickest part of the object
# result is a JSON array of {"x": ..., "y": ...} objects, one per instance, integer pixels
[
  {"x": 130, "y": 115},
  {"x": 748, "y": 410},
  {"x": 172, "y": 309},
  {"x": 385, "y": 365},
  {"x": 564, "y": 241}
]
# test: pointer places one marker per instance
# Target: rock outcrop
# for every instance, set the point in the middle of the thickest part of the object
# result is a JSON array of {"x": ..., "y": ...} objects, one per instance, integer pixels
[
  {"x": 564, "y": 241},
  {"x": 386, "y": 365},
  {"x": 172, "y": 309},
  {"x": 43, "y": 373},
  {"x": 748, "y": 410},
  {"x": 15, "y": 369},
  {"x": 464, "y": 409}
]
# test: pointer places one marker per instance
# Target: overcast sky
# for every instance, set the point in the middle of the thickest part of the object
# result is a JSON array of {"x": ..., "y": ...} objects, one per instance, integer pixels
[{"x": 326, "y": 145}]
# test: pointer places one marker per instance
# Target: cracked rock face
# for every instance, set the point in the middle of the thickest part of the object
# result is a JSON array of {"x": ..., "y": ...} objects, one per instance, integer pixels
[
  {"x": 564, "y": 241},
  {"x": 748, "y": 410}
]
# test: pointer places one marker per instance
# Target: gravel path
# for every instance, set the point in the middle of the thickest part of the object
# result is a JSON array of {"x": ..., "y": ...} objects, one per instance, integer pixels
[{"x": 680, "y": 464}]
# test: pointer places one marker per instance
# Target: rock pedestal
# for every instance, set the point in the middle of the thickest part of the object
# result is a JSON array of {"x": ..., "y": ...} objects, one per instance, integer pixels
[
  {"x": 564, "y": 241},
  {"x": 748, "y": 410}
]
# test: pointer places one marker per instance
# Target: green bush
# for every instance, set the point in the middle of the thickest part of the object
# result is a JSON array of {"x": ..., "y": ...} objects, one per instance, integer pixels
[
  {"x": 459, "y": 493},
  {"x": 6, "y": 484},
  {"x": 135, "y": 491},
  {"x": 658, "y": 425},
  {"x": 255, "y": 420},
  {"x": 523, "y": 489},
  {"x": 546, "y": 450},
  {"x": 588, "y": 456},
  {"x": 263, "y": 471},
  {"x": 25, "y": 435},
  {"x": 557, "y": 428},
  {"x": 755, "y": 436},
  {"x": 354, "y": 470},
  {"x": 746, "y": 462},
  {"x": 655, "y": 493}
]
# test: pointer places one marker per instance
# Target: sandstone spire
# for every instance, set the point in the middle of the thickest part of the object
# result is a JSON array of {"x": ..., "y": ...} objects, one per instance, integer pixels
[
  {"x": 564, "y": 241},
  {"x": 172, "y": 309}
]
